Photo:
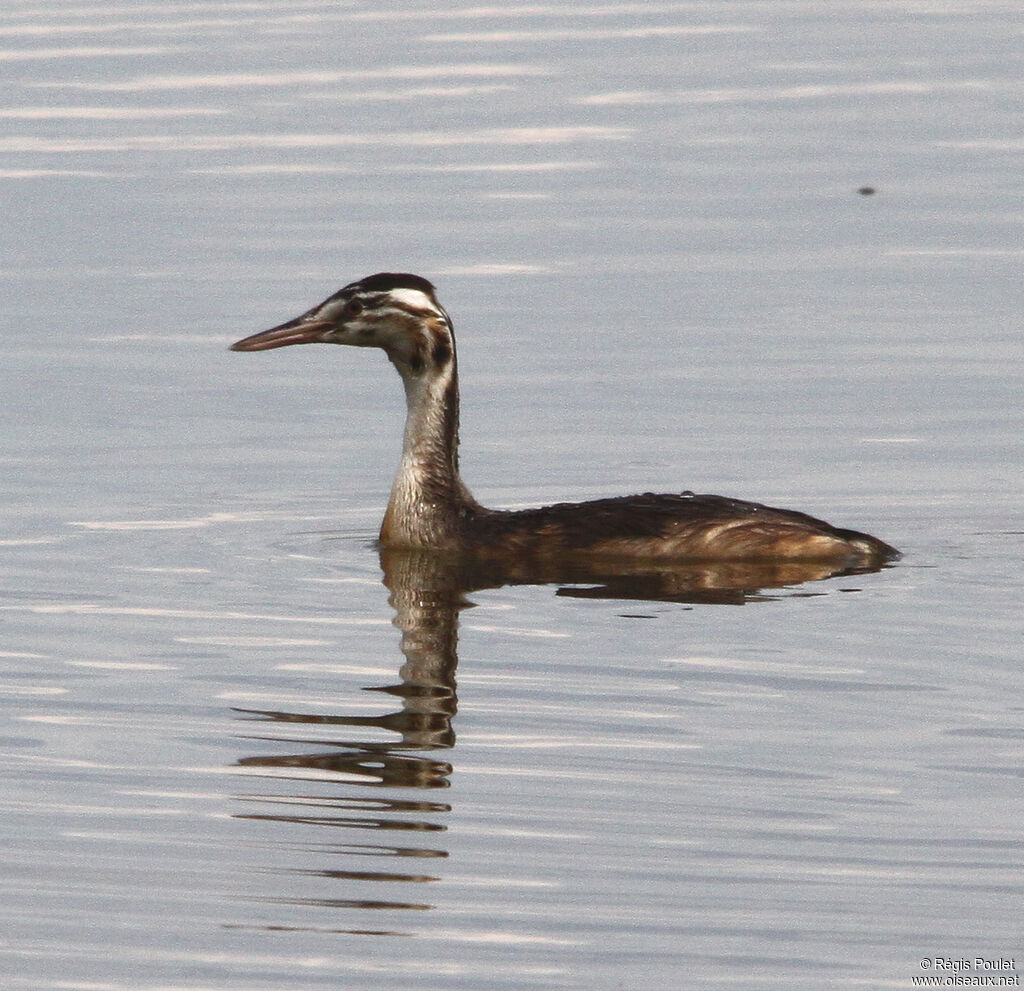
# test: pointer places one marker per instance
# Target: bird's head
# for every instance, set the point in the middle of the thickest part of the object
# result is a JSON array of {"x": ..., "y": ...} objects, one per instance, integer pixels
[{"x": 394, "y": 311}]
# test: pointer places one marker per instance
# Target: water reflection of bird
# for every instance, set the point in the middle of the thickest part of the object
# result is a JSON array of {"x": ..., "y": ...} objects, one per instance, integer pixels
[{"x": 431, "y": 508}]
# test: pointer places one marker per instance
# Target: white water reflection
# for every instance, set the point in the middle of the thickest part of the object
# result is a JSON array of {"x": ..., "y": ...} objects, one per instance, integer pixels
[
  {"x": 104, "y": 113},
  {"x": 276, "y": 81},
  {"x": 86, "y": 52},
  {"x": 242, "y": 142},
  {"x": 579, "y": 35},
  {"x": 830, "y": 92}
]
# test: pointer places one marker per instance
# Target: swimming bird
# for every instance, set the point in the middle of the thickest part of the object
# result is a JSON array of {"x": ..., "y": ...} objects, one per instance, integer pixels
[{"x": 431, "y": 508}]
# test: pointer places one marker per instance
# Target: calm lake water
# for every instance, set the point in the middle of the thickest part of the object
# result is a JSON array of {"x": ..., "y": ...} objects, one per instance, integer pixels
[{"x": 239, "y": 751}]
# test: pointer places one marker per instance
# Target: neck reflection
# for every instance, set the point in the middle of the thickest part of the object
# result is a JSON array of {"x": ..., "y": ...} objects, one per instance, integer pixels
[{"x": 401, "y": 749}]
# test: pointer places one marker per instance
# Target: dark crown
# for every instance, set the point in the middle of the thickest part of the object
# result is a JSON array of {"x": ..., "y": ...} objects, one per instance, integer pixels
[{"x": 386, "y": 281}]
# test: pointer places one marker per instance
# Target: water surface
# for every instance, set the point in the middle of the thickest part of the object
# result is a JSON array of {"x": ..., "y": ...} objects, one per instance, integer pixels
[{"x": 234, "y": 757}]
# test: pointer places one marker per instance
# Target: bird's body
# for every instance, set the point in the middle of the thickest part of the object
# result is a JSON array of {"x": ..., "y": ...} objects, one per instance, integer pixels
[{"x": 430, "y": 507}]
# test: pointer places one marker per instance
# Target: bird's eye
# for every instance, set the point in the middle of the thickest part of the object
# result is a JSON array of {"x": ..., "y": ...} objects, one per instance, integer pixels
[{"x": 353, "y": 308}]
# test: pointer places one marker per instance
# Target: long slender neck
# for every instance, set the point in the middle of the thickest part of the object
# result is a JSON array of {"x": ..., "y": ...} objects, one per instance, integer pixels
[{"x": 428, "y": 498}]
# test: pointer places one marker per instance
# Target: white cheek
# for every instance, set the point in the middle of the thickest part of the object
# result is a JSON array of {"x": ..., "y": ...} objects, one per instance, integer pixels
[
  {"x": 412, "y": 298},
  {"x": 331, "y": 311}
]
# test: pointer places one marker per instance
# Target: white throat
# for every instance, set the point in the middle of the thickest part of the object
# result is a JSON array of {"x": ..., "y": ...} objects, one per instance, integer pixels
[{"x": 427, "y": 496}]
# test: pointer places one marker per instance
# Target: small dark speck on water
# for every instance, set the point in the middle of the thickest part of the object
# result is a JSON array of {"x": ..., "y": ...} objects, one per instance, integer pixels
[{"x": 866, "y": 190}]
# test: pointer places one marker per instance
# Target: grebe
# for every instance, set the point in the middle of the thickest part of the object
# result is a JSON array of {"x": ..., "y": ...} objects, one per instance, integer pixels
[{"x": 430, "y": 507}]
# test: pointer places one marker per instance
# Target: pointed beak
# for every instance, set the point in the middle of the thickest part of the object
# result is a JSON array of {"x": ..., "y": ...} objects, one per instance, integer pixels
[{"x": 298, "y": 331}]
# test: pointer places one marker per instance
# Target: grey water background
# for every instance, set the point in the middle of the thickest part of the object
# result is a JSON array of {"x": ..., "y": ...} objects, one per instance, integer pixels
[{"x": 645, "y": 221}]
